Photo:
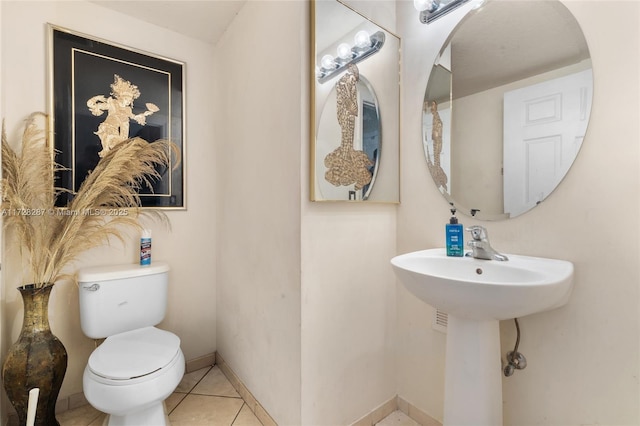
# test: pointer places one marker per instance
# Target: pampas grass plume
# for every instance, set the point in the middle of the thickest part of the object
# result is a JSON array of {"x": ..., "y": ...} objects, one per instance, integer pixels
[{"x": 48, "y": 238}]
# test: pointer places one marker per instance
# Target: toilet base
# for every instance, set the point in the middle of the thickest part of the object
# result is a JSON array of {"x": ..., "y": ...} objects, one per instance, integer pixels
[{"x": 154, "y": 415}]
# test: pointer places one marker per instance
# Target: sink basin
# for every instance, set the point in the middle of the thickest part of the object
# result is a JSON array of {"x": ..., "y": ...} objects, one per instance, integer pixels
[
  {"x": 485, "y": 289},
  {"x": 476, "y": 294}
]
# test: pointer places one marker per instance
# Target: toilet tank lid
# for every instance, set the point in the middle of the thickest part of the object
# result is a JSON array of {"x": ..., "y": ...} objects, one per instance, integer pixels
[{"x": 116, "y": 272}]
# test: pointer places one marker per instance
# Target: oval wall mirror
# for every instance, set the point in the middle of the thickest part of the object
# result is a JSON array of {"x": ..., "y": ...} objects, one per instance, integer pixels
[
  {"x": 507, "y": 106},
  {"x": 367, "y": 138},
  {"x": 355, "y": 107}
]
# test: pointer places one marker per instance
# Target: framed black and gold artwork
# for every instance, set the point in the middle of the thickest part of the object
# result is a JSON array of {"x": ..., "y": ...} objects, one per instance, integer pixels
[{"x": 102, "y": 94}]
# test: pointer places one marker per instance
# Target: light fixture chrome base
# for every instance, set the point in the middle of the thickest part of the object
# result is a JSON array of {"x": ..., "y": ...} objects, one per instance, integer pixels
[
  {"x": 358, "y": 54},
  {"x": 426, "y": 17}
]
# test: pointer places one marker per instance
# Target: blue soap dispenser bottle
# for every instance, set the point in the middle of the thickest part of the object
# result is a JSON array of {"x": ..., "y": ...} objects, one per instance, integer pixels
[{"x": 454, "y": 235}]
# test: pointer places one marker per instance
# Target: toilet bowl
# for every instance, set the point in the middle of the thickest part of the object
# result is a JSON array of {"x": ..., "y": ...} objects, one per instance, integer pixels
[
  {"x": 132, "y": 373},
  {"x": 138, "y": 365}
]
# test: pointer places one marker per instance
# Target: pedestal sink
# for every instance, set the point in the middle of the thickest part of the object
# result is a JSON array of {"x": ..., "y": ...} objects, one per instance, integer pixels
[{"x": 477, "y": 294}]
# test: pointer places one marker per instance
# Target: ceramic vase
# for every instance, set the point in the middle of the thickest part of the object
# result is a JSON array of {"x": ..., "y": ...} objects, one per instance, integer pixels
[{"x": 36, "y": 360}]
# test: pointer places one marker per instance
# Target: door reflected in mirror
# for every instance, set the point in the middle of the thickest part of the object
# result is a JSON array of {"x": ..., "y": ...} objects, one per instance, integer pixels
[
  {"x": 507, "y": 106},
  {"x": 355, "y": 107}
]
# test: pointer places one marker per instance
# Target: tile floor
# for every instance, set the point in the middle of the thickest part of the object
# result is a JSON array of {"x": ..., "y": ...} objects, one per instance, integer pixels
[
  {"x": 204, "y": 398},
  {"x": 397, "y": 418}
]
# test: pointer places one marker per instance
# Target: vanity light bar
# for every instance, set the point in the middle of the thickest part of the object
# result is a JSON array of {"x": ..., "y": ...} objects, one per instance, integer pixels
[
  {"x": 439, "y": 9},
  {"x": 365, "y": 46}
]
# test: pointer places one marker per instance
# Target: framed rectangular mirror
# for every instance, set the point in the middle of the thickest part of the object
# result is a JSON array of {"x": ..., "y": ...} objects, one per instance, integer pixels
[{"x": 355, "y": 107}]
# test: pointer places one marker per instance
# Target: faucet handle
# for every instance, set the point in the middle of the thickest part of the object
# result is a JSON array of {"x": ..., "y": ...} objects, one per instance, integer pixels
[{"x": 478, "y": 233}]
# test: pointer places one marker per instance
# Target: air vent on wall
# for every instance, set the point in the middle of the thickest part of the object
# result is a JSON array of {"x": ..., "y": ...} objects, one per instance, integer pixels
[{"x": 440, "y": 320}]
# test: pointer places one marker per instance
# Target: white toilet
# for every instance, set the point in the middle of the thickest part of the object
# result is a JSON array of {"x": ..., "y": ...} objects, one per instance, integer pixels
[{"x": 138, "y": 365}]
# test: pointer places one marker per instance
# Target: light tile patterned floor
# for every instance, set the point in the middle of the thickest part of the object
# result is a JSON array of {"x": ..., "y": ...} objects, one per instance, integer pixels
[{"x": 203, "y": 397}]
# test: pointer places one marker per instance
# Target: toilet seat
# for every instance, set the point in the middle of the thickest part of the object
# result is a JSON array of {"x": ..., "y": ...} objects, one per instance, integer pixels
[{"x": 134, "y": 354}]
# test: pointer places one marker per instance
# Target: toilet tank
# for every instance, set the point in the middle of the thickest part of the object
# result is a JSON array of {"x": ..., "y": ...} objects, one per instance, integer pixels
[{"x": 115, "y": 299}]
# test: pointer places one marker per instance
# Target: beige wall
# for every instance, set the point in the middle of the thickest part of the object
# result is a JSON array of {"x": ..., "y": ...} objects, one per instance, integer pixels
[
  {"x": 190, "y": 246},
  {"x": 253, "y": 192},
  {"x": 305, "y": 295},
  {"x": 348, "y": 308},
  {"x": 307, "y": 312},
  {"x": 574, "y": 374},
  {"x": 257, "y": 111}
]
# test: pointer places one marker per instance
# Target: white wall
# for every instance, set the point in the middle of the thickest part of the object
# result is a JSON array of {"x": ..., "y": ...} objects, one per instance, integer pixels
[
  {"x": 574, "y": 374},
  {"x": 348, "y": 312},
  {"x": 306, "y": 302},
  {"x": 257, "y": 111},
  {"x": 348, "y": 294},
  {"x": 253, "y": 193},
  {"x": 190, "y": 246},
  {"x": 306, "y": 311}
]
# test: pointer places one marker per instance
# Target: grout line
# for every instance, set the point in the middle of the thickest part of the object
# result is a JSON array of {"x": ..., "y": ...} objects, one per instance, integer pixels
[
  {"x": 201, "y": 379},
  {"x": 258, "y": 410},
  {"x": 179, "y": 402},
  {"x": 215, "y": 396},
  {"x": 100, "y": 413},
  {"x": 190, "y": 390},
  {"x": 238, "y": 413}
]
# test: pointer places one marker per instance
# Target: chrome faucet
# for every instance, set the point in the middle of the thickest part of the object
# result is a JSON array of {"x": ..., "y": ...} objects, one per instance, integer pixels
[{"x": 480, "y": 245}]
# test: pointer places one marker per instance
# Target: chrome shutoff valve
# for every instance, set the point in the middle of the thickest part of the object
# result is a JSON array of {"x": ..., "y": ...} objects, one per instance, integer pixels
[{"x": 515, "y": 361}]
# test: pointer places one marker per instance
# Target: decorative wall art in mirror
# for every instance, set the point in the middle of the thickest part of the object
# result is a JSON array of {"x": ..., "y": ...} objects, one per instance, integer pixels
[
  {"x": 355, "y": 107},
  {"x": 507, "y": 106},
  {"x": 102, "y": 94}
]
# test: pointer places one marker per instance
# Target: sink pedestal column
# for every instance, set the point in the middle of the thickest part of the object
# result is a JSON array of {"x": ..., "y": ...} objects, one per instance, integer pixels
[{"x": 473, "y": 373}]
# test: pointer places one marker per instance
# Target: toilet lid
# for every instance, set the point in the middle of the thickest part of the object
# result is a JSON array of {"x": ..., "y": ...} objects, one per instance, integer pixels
[{"x": 134, "y": 353}]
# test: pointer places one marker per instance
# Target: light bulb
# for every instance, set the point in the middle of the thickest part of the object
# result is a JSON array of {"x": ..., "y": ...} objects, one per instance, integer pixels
[
  {"x": 328, "y": 62},
  {"x": 362, "y": 39},
  {"x": 344, "y": 51},
  {"x": 428, "y": 5},
  {"x": 421, "y": 5}
]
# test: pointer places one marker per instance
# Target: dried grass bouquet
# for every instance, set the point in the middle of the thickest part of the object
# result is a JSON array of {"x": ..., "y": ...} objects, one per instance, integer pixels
[{"x": 51, "y": 237}]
